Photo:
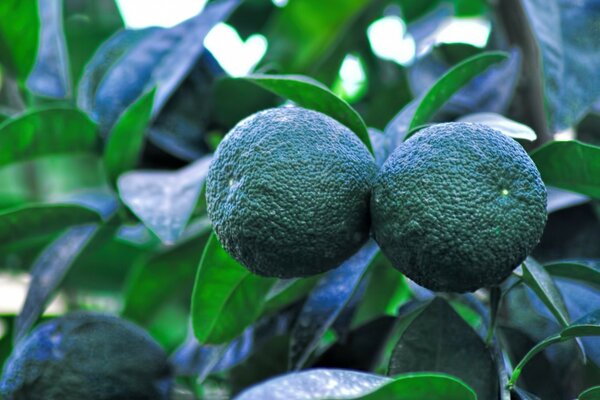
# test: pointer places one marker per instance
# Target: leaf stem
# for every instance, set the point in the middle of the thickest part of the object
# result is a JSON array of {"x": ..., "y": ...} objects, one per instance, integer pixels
[
  {"x": 495, "y": 300},
  {"x": 535, "y": 350}
]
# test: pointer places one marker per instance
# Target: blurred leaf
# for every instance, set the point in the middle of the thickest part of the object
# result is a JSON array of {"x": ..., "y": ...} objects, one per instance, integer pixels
[
  {"x": 536, "y": 277},
  {"x": 397, "y": 129},
  {"x": 164, "y": 200},
  {"x": 592, "y": 393},
  {"x": 50, "y": 76},
  {"x": 430, "y": 386},
  {"x": 588, "y": 325},
  {"x": 227, "y": 298},
  {"x": 41, "y": 219},
  {"x": 316, "y": 384},
  {"x": 311, "y": 94},
  {"x": 559, "y": 199},
  {"x": 160, "y": 57},
  {"x": 326, "y": 302},
  {"x": 87, "y": 24},
  {"x": 451, "y": 82},
  {"x": 47, "y": 274},
  {"x": 304, "y": 32},
  {"x": 507, "y": 126},
  {"x": 523, "y": 395},
  {"x": 570, "y": 165},
  {"x": 586, "y": 272},
  {"x": 570, "y": 54},
  {"x": 286, "y": 292},
  {"x": 168, "y": 274},
  {"x": 47, "y": 131},
  {"x": 456, "y": 349},
  {"x": 126, "y": 138},
  {"x": 19, "y": 32}
]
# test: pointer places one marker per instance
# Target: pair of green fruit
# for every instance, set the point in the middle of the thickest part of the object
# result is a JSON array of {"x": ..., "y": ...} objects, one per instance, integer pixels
[{"x": 292, "y": 193}]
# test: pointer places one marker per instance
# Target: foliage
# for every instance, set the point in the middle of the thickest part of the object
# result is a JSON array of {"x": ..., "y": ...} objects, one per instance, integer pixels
[{"x": 107, "y": 133}]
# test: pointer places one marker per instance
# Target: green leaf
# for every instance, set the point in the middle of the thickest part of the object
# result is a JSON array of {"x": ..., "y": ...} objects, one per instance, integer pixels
[
  {"x": 153, "y": 281},
  {"x": 451, "y": 82},
  {"x": 50, "y": 76},
  {"x": 124, "y": 144},
  {"x": 592, "y": 393},
  {"x": 570, "y": 55},
  {"x": 588, "y": 325},
  {"x": 570, "y": 165},
  {"x": 538, "y": 279},
  {"x": 308, "y": 93},
  {"x": 505, "y": 125},
  {"x": 456, "y": 349},
  {"x": 164, "y": 200},
  {"x": 227, "y": 298},
  {"x": 43, "y": 219},
  {"x": 421, "y": 386},
  {"x": 574, "y": 270},
  {"x": 19, "y": 32},
  {"x": 44, "y": 132},
  {"x": 286, "y": 292}
]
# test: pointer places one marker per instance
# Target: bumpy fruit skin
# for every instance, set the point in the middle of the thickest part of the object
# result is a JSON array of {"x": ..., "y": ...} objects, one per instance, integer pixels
[
  {"x": 288, "y": 192},
  {"x": 458, "y": 206},
  {"x": 87, "y": 356}
]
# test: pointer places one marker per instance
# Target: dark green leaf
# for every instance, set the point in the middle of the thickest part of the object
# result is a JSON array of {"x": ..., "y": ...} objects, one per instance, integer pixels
[
  {"x": 50, "y": 76},
  {"x": 317, "y": 384},
  {"x": 286, "y": 292},
  {"x": 19, "y": 32},
  {"x": 326, "y": 302},
  {"x": 505, "y": 125},
  {"x": 587, "y": 272},
  {"x": 451, "y": 82},
  {"x": 126, "y": 138},
  {"x": 48, "y": 272},
  {"x": 570, "y": 56},
  {"x": 227, "y": 298},
  {"x": 155, "y": 280},
  {"x": 160, "y": 57},
  {"x": 592, "y": 393},
  {"x": 44, "y": 132},
  {"x": 456, "y": 349},
  {"x": 36, "y": 220},
  {"x": 421, "y": 386},
  {"x": 570, "y": 165},
  {"x": 309, "y": 93},
  {"x": 588, "y": 325},
  {"x": 538, "y": 279},
  {"x": 164, "y": 200}
]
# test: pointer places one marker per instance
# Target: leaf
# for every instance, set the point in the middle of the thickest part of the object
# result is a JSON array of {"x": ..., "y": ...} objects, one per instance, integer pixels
[
  {"x": 588, "y": 325},
  {"x": 456, "y": 349},
  {"x": 311, "y": 94},
  {"x": 44, "y": 132},
  {"x": 126, "y": 138},
  {"x": 159, "y": 57},
  {"x": 227, "y": 298},
  {"x": 164, "y": 200},
  {"x": 154, "y": 280},
  {"x": 592, "y": 393},
  {"x": 326, "y": 302},
  {"x": 559, "y": 199},
  {"x": 48, "y": 272},
  {"x": 286, "y": 292},
  {"x": 19, "y": 31},
  {"x": 40, "y": 219},
  {"x": 507, "y": 126},
  {"x": 536, "y": 277},
  {"x": 421, "y": 386},
  {"x": 316, "y": 384},
  {"x": 397, "y": 129},
  {"x": 570, "y": 165},
  {"x": 50, "y": 76},
  {"x": 570, "y": 54},
  {"x": 451, "y": 82},
  {"x": 586, "y": 272}
]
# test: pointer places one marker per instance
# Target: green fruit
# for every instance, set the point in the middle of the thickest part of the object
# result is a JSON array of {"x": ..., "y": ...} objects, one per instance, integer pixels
[
  {"x": 288, "y": 192},
  {"x": 87, "y": 356},
  {"x": 458, "y": 206}
]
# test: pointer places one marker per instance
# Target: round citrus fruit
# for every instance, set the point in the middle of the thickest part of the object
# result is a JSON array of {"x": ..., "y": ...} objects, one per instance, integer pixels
[
  {"x": 458, "y": 206},
  {"x": 87, "y": 356},
  {"x": 288, "y": 192}
]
